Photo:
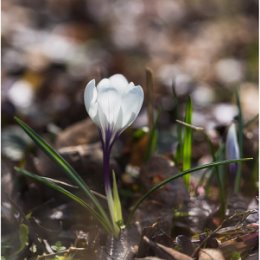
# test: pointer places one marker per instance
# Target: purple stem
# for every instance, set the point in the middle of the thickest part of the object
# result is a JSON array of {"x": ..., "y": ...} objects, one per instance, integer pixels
[
  {"x": 107, "y": 147},
  {"x": 106, "y": 167}
]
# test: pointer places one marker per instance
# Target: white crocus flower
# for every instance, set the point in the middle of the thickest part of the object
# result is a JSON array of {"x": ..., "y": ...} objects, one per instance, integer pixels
[{"x": 113, "y": 104}]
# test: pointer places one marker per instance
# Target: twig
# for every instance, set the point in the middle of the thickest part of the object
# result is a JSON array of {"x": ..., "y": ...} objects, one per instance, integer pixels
[
  {"x": 67, "y": 251},
  {"x": 197, "y": 128},
  {"x": 250, "y": 121},
  {"x": 235, "y": 215},
  {"x": 149, "y": 96},
  {"x": 101, "y": 196},
  {"x": 48, "y": 247},
  {"x": 174, "y": 254}
]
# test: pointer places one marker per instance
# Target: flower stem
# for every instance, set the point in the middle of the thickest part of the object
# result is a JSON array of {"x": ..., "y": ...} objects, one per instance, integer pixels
[
  {"x": 107, "y": 147},
  {"x": 106, "y": 168}
]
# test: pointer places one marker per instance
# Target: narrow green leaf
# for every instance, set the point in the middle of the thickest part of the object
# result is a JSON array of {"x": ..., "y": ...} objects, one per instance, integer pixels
[
  {"x": 178, "y": 155},
  {"x": 166, "y": 181},
  {"x": 117, "y": 203},
  {"x": 212, "y": 152},
  {"x": 179, "y": 150},
  {"x": 23, "y": 237},
  {"x": 111, "y": 207},
  {"x": 65, "y": 192},
  {"x": 187, "y": 142},
  {"x": 220, "y": 172},
  {"x": 240, "y": 141},
  {"x": 62, "y": 183},
  {"x": 63, "y": 164}
]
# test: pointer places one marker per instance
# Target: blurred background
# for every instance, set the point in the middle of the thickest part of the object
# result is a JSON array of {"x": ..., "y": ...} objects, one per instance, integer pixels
[{"x": 52, "y": 48}]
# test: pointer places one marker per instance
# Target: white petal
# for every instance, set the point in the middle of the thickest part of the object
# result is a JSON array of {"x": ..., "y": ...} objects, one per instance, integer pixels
[
  {"x": 90, "y": 94},
  {"x": 118, "y": 81},
  {"x": 109, "y": 102},
  {"x": 103, "y": 84},
  {"x": 118, "y": 129},
  {"x": 119, "y": 121},
  {"x": 90, "y": 100},
  {"x": 131, "y": 104},
  {"x": 103, "y": 123},
  {"x": 114, "y": 104}
]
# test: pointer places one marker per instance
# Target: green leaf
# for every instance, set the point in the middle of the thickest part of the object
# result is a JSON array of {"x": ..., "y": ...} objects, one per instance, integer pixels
[
  {"x": 178, "y": 154},
  {"x": 240, "y": 141},
  {"x": 149, "y": 97},
  {"x": 181, "y": 174},
  {"x": 139, "y": 133},
  {"x": 63, "y": 164},
  {"x": 187, "y": 142},
  {"x": 58, "y": 247},
  {"x": 220, "y": 171},
  {"x": 117, "y": 203},
  {"x": 23, "y": 237},
  {"x": 65, "y": 192}
]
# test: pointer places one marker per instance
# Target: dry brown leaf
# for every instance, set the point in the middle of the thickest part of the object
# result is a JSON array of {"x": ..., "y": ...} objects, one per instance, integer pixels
[
  {"x": 210, "y": 254},
  {"x": 169, "y": 251}
]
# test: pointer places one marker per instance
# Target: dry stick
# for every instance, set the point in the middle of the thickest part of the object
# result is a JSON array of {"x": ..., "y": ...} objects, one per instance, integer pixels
[
  {"x": 67, "y": 251},
  {"x": 149, "y": 97},
  {"x": 169, "y": 251},
  {"x": 197, "y": 128},
  {"x": 101, "y": 196},
  {"x": 236, "y": 214},
  {"x": 251, "y": 121}
]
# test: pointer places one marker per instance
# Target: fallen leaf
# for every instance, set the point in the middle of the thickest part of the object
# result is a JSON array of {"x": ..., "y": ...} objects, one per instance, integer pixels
[{"x": 210, "y": 254}]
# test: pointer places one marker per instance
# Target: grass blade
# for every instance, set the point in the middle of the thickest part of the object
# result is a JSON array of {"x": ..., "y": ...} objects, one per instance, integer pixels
[
  {"x": 240, "y": 141},
  {"x": 221, "y": 179},
  {"x": 65, "y": 192},
  {"x": 187, "y": 142},
  {"x": 63, "y": 164},
  {"x": 181, "y": 174},
  {"x": 117, "y": 203},
  {"x": 23, "y": 237},
  {"x": 178, "y": 154}
]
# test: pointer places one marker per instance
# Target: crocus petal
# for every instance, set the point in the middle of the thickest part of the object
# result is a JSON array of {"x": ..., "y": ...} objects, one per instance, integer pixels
[
  {"x": 103, "y": 126},
  {"x": 90, "y": 100},
  {"x": 119, "y": 82},
  {"x": 131, "y": 104},
  {"x": 103, "y": 84},
  {"x": 109, "y": 102},
  {"x": 117, "y": 129},
  {"x": 119, "y": 122},
  {"x": 113, "y": 105}
]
